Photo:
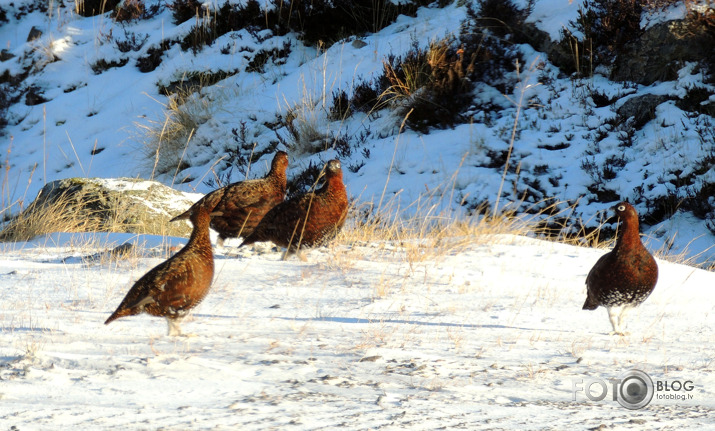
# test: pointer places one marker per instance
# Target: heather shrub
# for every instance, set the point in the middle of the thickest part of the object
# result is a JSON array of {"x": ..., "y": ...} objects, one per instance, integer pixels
[
  {"x": 604, "y": 26},
  {"x": 88, "y": 8}
]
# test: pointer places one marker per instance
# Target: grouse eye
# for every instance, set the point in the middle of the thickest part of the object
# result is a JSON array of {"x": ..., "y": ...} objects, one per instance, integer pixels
[{"x": 621, "y": 208}]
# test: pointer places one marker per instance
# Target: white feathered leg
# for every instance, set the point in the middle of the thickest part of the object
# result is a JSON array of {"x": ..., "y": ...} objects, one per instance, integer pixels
[
  {"x": 617, "y": 315},
  {"x": 174, "y": 329}
]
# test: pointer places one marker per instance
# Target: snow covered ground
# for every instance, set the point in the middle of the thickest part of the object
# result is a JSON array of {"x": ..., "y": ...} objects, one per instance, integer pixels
[{"x": 488, "y": 336}]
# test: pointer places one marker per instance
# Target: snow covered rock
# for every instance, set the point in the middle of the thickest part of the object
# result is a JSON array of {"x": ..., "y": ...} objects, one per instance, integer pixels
[
  {"x": 108, "y": 205},
  {"x": 641, "y": 108},
  {"x": 661, "y": 50}
]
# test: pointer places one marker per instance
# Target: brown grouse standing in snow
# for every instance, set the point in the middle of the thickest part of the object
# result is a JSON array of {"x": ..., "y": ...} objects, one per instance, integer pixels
[
  {"x": 243, "y": 204},
  {"x": 176, "y": 286},
  {"x": 624, "y": 277},
  {"x": 306, "y": 220}
]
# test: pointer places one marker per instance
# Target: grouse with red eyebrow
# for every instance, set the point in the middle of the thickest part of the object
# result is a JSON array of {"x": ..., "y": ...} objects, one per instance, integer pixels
[
  {"x": 624, "y": 277},
  {"x": 177, "y": 285},
  {"x": 306, "y": 220},
  {"x": 243, "y": 204}
]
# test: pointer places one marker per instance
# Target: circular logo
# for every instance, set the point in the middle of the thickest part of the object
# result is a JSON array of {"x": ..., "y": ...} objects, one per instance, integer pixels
[{"x": 636, "y": 389}]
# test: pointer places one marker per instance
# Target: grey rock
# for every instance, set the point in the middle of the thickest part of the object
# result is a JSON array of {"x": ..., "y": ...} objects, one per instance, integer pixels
[
  {"x": 103, "y": 205},
  {"x": 6, "y": 55},
  {"x": 357, "y": 44},
  {"x": 641, "y": 108},
  {"x": 35, "y": 33},
  {"x": 661, "y": 51}
]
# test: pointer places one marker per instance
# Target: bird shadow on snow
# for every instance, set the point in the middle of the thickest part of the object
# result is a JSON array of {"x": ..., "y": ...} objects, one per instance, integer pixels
[
  {"x": 6, "y": 362},
  {"x": 25, "y": 330},
  {"x": 357, "y": 320}
]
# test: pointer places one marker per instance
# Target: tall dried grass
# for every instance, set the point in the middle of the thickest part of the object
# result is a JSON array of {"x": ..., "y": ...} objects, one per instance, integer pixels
[
  {"x": 59, "y": 215},
  {"x": 164, "y": 141}
]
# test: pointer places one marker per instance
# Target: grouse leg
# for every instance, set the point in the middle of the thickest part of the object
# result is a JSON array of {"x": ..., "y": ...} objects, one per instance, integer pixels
[
  {"x": 174, "y": 329},
  {"x": 616, "y": 315}
]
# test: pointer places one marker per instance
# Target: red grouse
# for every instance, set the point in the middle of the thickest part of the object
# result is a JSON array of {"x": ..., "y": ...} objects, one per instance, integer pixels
[
  {"x": 243, "y": 204},
  {"x": 306, "y": 220},
  {"x": 624, "y": 277},
  {"x": 176, "y": 286}
]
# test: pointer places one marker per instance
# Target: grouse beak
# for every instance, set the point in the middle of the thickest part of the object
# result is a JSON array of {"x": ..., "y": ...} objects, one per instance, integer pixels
[
  {"x": 611, "y": 214},
  {"x": 177, "y": 218}
]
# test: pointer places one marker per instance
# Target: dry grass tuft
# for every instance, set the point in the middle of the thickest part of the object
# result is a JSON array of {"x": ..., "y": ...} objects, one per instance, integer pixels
[
  {"x": 81, "y": 211},
  {"x": 129, "y": 10},
  {"x": 684, "y": 256},
  {"x": 166, "y": 140},
  {"x": 425, "y": 233},
  {"x": 302, "y": 124},
  {"x": 57, "y": 216}
]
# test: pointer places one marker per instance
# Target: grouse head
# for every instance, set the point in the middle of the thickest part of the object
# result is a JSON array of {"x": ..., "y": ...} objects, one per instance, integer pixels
[
  {"x": 333, "y": 168},
  {"x": 624, "y": 209},
  {"x": 280, "y": 162}
]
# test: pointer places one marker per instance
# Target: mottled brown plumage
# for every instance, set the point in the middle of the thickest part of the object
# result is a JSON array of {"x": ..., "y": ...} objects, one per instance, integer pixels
[
  {"x": 624, "y": 277},
  {"x": 243, "y": 204},
  {"x": 307, "y": 220},
  {"x": 177, "y": 285}
]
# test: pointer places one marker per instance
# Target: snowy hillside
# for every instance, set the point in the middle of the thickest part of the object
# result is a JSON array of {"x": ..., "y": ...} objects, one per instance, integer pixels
[
  {"x": 487, "y": 336},
  {"x": 88, "y": 98}
]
